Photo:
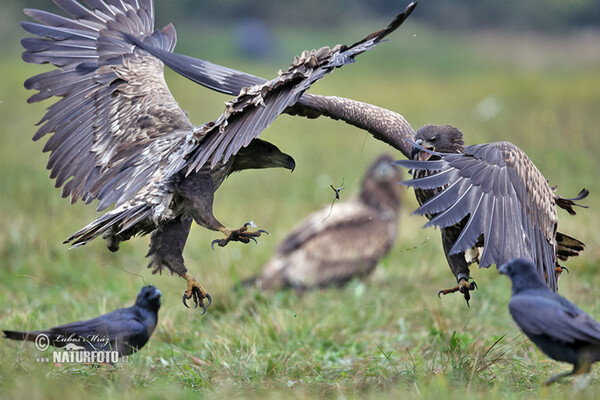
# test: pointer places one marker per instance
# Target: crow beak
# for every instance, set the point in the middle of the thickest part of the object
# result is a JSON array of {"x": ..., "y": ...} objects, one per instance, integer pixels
[{"x": 503, "y": 269}]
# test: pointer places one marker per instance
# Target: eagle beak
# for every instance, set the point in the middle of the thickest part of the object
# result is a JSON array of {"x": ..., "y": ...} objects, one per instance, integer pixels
[
  {"x": 418, "y": 154},
  {"x": 289, "y": 163}
]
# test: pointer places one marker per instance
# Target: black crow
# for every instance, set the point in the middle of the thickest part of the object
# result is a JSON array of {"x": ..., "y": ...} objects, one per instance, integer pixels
[
  {"x": 557, "y": 326},
  {"x": 125, "y": 330}
]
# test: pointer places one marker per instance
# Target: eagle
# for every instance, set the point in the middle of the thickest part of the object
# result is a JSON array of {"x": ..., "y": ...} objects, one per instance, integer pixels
[
  {"x": 491, "y": 204},
  {"x": 533, "y": 226},
  {"x": 337, "y": 243},
  {"x": 119, "y": 137}
]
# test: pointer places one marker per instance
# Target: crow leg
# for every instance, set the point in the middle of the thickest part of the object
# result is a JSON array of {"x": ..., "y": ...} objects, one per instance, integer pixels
[
  {"x": 166, "y": 251},
  {"x": 238, "y": 235},
  {"x": 583, "y": 366}
]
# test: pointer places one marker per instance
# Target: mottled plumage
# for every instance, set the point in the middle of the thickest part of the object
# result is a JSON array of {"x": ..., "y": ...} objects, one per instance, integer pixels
[
  {"x": 335, "y": 244},
  {"x": 119, "y": 137},
  {"x": 491, "y": 203},
  {"x": 558, "y": 327},
  {"x": 125, "y": 330}
]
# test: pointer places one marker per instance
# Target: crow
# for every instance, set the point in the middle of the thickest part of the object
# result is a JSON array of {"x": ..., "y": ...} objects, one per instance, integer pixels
[
  {"x": 125, "y": 330},
  {"x": 558, "y": 327}
]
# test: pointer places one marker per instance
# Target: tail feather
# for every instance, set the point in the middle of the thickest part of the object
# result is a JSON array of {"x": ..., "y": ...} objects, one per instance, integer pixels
[
  {"x": 119, "y": 220},
  {"x": 568, "y": 246},
  {"x": 21, "y": 335},
  {"x": 567, "y": 204}
]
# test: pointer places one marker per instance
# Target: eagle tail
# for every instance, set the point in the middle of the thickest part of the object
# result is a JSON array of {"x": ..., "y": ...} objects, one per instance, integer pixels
[
  {"x": 567, "y": 204},
  {"x": 568, "y": 246},
  {"x": 116, "y": 225}
]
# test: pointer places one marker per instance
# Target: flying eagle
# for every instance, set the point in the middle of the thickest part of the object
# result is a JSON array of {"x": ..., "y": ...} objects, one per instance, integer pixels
[
  {"x": 119, "y": 137},
  {"x": 491, "y": 203},
  {"x": 335, "y": 244},
  {"x": 534, "y": 228}
]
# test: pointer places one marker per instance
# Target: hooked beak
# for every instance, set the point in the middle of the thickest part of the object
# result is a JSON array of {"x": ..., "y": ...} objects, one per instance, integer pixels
[
  {"x": 417, "y": 152},
  {"x": 289, "y": 163}
]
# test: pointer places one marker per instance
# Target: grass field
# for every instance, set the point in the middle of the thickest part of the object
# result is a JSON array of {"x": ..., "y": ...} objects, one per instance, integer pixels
[{"x": 389, "y": 336}]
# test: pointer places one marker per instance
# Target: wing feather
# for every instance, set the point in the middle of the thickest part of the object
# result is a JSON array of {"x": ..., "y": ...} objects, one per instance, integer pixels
[
  {"x": 507, "y": 199},
  {"x": 114, "y": 103}
]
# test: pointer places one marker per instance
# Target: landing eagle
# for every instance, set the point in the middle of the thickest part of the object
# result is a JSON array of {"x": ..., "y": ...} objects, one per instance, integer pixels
[{"x": 119, "y": 137}]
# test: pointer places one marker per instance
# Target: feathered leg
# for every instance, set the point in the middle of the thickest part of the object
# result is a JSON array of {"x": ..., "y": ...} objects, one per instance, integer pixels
[
  {"x": 458, "y": 265},
  {"x": 166, "y": 250},
  {"x": 198, "y": 192}
]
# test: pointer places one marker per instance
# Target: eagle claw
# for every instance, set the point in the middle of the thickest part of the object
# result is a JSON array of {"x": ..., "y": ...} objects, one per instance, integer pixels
[
  {"x": 463, "y": 287},
  {"x": 196, "y": 292},
  {"x": 238, "y": 235}
]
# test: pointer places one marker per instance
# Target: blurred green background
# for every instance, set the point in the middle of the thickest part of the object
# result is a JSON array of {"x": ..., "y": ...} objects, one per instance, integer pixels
[{"x": 523, "y": 71}]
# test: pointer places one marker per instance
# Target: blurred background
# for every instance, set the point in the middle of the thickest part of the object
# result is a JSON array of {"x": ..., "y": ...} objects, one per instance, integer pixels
[{"x": 523, "y": 71}]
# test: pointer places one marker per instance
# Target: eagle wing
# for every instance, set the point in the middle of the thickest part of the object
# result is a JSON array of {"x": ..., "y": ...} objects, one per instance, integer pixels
[
  {"x": 256, "y": 107},
  {"x": 506, "y": 197},
  {"x": 116, "y": 123},
  {"x": 332, "y": 246}
]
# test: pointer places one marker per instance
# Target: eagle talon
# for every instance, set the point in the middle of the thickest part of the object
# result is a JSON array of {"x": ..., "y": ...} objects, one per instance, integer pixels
[
  {"x": 463, "y": 287},
  {"x": 196, "y": 292},
  {"x": 239, "y": 235}
]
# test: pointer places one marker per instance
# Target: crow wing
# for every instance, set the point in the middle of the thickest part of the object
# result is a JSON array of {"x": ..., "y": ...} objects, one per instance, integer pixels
[
  {"x": 553, "y": 316},
  {"x": 506, "y": 197}
]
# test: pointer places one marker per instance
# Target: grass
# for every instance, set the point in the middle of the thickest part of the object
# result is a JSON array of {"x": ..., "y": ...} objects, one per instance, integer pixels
[{"x": 389, "y": 336}]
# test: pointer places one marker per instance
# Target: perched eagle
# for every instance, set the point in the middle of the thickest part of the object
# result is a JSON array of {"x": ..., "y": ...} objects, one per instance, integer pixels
[
  {"x": 335, "y": 244},
  {"x": 119, "y": 137},
  {"x": 491, "y": 203}
]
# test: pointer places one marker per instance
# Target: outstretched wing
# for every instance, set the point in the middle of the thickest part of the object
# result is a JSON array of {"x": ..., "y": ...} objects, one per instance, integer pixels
[
  {"x": 256, "y": 107},
  {"x": 506, "y": 197},
  {"x": 230, "y": 81},
  {"x": 116, "y": 123}
]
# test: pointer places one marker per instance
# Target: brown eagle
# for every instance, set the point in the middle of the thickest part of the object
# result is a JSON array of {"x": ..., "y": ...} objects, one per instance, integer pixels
[
  {"x": 491, "y": 203},
  {"x": 535, "y": 228},
  {"x": 335, "y": 244},
  {"x": 119, "y": 137}
]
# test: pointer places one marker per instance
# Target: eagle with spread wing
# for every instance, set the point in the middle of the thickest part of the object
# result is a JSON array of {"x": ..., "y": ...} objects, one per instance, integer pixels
[
  {"x": 516, "y": 216},
  {"x": 119, "y": 137},
  {"x": 337, "y": 243},
  {"x": 532, "y": 223},
  {"x": 491, "y": 203}
]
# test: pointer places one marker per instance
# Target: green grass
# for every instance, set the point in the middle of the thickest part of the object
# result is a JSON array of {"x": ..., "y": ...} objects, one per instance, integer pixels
[{"x": 389, "y": 336}]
